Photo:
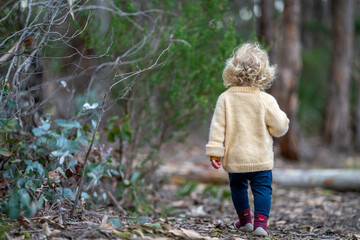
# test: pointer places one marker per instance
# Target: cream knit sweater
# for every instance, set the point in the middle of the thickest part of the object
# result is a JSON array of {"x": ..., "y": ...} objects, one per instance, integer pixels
[{"x": 245, "y": 120}]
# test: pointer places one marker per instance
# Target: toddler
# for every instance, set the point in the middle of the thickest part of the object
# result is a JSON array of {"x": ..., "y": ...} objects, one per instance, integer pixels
[{"x": 244, "y": 122}]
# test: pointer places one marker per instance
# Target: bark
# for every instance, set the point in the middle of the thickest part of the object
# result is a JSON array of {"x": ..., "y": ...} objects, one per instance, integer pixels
[
  {"x": 307, "y": 16},
  {"x": 266, "y": 28},
  {"x": 312, "y": 12},
  {"x": 289, "y": 70},
  {"x": 337, "y": 108},
  {"x": 357, "y": 107},
  {"x": 336, "y": 179}
]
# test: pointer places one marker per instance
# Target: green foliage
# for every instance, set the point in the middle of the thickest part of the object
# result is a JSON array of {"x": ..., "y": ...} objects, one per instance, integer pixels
[
  {"x": 312, "y": 89},
  {"x": 4, "y": 228},
  {"x": 187, "y": 188},
  {"x": 54, "y": 147},
  {"x": 20, "y": 200},
  {"x": 28, "y": 160},
  {"x": 190, "y": 79},
  {"x": 192, "y": 74},
  {"x": 318, "y": 27},
  {"x": 210, "y": 191},
  {"x": 118, "y": 128},
  {"x": 183, "y": 87},
  {"x": 357, "y": 26},
  {"x": 164, "y": 100},
  {"x": 217, "y": 192}
]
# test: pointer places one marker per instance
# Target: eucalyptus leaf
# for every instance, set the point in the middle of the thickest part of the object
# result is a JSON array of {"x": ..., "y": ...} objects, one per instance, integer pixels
[
  {"x": 40, "y": 202},
  {"x": 5, "y": 206},
  {"x": 5, "y": 152},
  {"x": 66, "y": 192},
  {"x": 30, "y": 210},
  {"x": 37, "y": 132},
  {"x": 104, "y": 196},
  {"x": 84, "y": 195},
  {"x": 34, "y": 166},
  {"x": 14, "y": 206},
  {"x": 25, "y": 199},
  {"x": 45, "y": 126},
  {"x": 93, "y": 123},
  {"x": 115, "y": 222},
  {"x": 134, "y": 177},
  {"x": 67, "y": 124}
]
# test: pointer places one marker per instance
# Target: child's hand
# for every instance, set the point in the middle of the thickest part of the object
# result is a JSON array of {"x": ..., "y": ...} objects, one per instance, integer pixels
[{"x": 215, "y": 162}]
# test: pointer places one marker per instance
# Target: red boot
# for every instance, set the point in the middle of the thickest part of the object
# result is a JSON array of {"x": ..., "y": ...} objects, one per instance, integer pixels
[
  {"x": 260, "y": 224},
  {"x": 244, "y": 223}
]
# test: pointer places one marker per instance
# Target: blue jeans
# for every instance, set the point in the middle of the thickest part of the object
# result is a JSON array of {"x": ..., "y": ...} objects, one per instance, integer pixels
[{"x": 260, "y": 183}]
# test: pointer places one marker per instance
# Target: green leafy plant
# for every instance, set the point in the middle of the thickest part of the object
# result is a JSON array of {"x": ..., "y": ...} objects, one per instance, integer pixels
[
  {"x": 29, "y": 160},
  {"x": 217, "y": 192},
  {"x": 186, "y": 188},
  {"x": 4, "y": 228}
]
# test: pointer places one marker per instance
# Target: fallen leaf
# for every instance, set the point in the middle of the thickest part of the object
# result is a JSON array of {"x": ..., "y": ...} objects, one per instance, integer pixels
[
  {"x": 186, "y": 233},
  {"x": 69, "y": 173},
  {"x": 78, "y": 167},
  {"x": 46, "y": 229},
  {"x": 54, "y": 175},
  {"x": 139, "y": 233},
  {"x": 105, "y": 225},
  {"x": 197, "y": 211},
  {"x": 55, "y": 232},
  {"x": 25, "y": 223},
  {"x": 124, "y": 235},
  {"x": 179, "y": 204},
  {"x": 49, "y": 220}
]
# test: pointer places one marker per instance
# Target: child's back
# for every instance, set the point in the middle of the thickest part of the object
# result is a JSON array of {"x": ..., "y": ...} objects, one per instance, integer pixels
[
  {"x": 243, "y": 124},
  {"x": 246, "y": 119}
]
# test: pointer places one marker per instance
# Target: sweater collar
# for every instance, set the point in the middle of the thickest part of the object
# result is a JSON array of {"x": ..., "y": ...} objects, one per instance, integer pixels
[{"x": 249, "y": 89}]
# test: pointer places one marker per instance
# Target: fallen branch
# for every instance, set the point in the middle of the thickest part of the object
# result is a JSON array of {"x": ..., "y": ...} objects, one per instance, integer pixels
[
  {"x": 117, "y": 204},
  {"x": 336, "y": 179}
]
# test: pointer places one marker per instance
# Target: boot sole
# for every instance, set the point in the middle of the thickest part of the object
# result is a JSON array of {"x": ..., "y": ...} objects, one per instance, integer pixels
[
  {"x": 247, "y": 228},
  {"x": 259, "y": 231}
]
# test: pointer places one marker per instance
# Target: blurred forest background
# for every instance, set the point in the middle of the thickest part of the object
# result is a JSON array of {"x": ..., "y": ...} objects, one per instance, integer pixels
[{"x": 92, "y": 89}]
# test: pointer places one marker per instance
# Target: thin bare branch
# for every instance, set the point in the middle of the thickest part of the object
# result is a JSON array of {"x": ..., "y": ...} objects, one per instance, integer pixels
[
  {"x": 155, "y": 64},
  {"x": 87, "y": 155}
]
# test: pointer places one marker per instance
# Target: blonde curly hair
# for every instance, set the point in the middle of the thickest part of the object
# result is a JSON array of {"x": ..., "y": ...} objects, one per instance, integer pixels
[{"x": 249, "y": 65}]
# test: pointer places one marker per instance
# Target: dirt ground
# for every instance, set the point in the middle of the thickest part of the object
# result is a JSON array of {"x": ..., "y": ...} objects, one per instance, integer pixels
[
  {"x": 295, "y": 214},
  {"x": 191, "y": 210}
]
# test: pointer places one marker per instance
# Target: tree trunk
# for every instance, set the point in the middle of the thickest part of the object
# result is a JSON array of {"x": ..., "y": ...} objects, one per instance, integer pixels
[
  {"x": 356, "y": 77},
  {"x": 307, "y": 16},
  {"x": 337, "y": 108},
  {"x": 266, "y": 30},
  {"x": 289, "y": 70}
]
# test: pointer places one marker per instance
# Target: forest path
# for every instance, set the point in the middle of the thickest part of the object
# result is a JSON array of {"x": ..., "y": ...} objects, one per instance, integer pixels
[
  {"x": 193, "y": 210},
  {"x": 296, "y": 213},
  {"x": 198, "y": 211}
]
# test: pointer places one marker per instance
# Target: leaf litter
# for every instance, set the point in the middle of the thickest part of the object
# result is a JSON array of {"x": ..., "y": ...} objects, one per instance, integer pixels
[
  {"x": 190, "y": 210},
  {"x": 295, "y": 214}
]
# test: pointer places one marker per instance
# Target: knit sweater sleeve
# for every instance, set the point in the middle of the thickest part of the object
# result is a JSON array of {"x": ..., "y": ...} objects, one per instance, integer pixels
[
  {"x": 275, "y": 119},
  {"x": 215, "y": 146}
]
